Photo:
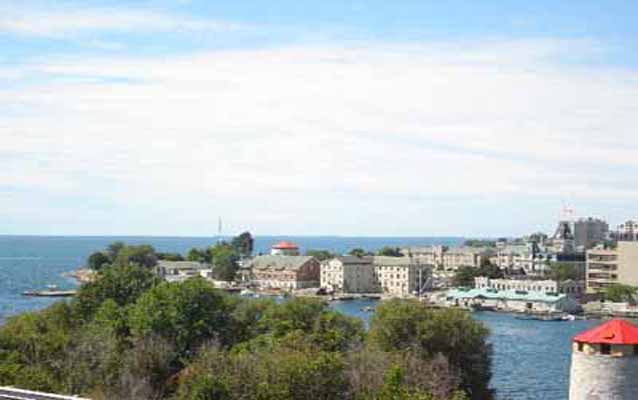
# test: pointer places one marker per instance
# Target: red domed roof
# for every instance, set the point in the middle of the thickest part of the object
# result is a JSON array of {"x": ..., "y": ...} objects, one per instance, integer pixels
[
  {"x": 615, "y": 331},
  {"x": 284, "y": 245}
]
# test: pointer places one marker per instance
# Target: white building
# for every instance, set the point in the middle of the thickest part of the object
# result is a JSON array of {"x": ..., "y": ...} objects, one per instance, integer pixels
[
  {"x": 512, "y": 300},
  {"x": 176, "y": 271},
  {"x": 400, "y": 275},
  {"x": 349, "y": 274},
  {"x": 573, "y": 289}
]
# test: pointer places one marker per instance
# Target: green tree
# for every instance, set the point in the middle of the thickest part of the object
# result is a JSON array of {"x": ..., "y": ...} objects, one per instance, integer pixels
[
  {"x": 320, "y": 255},
  {"x": 185, "y": 314},
  {"x": 390, "y": 252},
  {"x": 224, "y": 259},
  {"x": 359, "y": 252},
  {"x": 143, "y": 255},
  {"x": 619, "y": 293},
  {"x": 170, "y": 256},
  {"x": 123, "y": 285},
  {"x": 113, "y": 250},
  {"x": 197, "y": 255},
  {"x": 563, "y": 271},
  {"x": 408, "y": 325},
  {"x": 97, "y": 260},
  {"x": 243, "y": 244}
]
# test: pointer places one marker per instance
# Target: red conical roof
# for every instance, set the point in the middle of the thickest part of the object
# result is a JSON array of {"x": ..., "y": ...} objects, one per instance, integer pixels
[
  {"x": 284, "y": 245},
  {"x": 615, "y": 331}
]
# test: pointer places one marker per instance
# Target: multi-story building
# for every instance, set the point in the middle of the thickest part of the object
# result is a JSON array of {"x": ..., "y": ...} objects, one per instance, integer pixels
[
  {"x": 400, "y": 275},
  {"x": 465, "y": 256},
  {"x": 609, "y": 266},
  {"x": 285, "y": 272},
  {"x": 589, "y": 232},
  {"x": 349, "y": 274},
  {"x": 430, "y": 255}
]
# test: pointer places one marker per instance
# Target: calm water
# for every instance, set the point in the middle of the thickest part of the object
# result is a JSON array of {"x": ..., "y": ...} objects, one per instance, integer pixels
[{"x": 531, "y": 358}]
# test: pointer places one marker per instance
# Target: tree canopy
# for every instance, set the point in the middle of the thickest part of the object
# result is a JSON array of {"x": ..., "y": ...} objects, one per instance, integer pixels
[{"x": 390, "y": 252}]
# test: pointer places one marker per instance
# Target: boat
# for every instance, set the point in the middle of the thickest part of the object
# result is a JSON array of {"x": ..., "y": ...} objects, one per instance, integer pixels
[
  {"x": 367, "y": 309},
  {"x": 49, "y": 293},
  {"x": 546, "y": 317}
]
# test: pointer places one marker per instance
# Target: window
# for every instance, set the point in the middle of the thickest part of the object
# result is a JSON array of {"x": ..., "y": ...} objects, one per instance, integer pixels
[
  {"x": 582, "y": 346},
  {"x": 605, "y": 348}
]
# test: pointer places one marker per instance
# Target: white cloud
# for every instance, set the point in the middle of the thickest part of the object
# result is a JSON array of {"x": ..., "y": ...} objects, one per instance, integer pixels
[
  {"x": 67, "y": 20},
  {"x": 328, "y": 139}
]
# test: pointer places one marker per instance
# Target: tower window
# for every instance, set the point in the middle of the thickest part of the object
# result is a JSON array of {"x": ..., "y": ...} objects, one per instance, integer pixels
[
  {"x": 581, "y": 346},
  {"x": 605, "y": 348}
]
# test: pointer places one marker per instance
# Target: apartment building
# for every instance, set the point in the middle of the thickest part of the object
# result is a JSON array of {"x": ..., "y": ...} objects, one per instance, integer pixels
[
  {"x": 349, "y": 274},
  {"x": 400, "y": 275},
  {"x": 609, "y": 266}
]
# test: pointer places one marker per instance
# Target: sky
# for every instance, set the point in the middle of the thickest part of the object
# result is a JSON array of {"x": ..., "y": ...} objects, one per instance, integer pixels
[{"x": 332, "y": 117}]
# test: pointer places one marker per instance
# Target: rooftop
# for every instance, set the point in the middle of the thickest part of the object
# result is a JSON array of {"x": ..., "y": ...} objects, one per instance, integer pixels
[
  {"x": 494, "y": 294},
  {"x": 615, "y": 331},
  {"x": 285, "y": 245},
  {"x": 291, "y": 263}
]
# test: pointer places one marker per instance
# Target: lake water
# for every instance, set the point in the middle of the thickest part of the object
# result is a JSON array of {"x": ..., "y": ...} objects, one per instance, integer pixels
[{"x": 531, "y": 358}]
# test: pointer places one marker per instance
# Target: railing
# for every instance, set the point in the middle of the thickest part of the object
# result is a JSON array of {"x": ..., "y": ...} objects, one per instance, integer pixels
[{"x": 9, "y": 393}]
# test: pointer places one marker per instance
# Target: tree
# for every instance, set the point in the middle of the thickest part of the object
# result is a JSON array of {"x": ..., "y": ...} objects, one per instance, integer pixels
[
  {"x": 464, "y": 277},
  {"x": 123, "y": 285},
  {"x": 359, "y": 252},
  {"x": 224, "y": 259},
  {"x": 320, "y": 255},
  {"x": 243, "y": 244},
  {"x": 185, "y": 314},
  {"x": 563, "y": 271},
  {"x": 619, "y": 293},
  {"x": 408, "y": 325},
  {"x": 480, "y": 243},
  {"x": 143, "y": 255},
  {"x": 390, "y": 252},
  {"x": 97, "y": 260},
  {"x": 197, "y": 255},
  {"x": 170, "y": 256},
  {"x": 113, "y": 250}
]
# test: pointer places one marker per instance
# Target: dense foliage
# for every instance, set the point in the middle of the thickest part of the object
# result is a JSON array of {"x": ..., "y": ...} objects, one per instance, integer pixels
[
  {"x": 465, "y": 275},
  {"x": 128, "y": 335},
  {"x": 621, "y": 293}
]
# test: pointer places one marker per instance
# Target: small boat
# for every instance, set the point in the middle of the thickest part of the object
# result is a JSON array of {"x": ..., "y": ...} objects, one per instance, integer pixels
[
  {"x": 49, "y": 293},
  {"x": 367, "y": 309}
]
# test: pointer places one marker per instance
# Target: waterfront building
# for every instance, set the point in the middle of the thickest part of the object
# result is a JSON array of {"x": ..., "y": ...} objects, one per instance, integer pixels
[
  {"x": 349, "y": 274},
  {"x": 571, "y": 288},
  {"x": 604, "y": 361},
  {"x": 284, "y": 248},
  {"x": 613, "y": 265},
  {"x": 284, "y": 272},
  {"x": 512, "y": 300},
  {"x": 400, "y": 276},
  {"x": 177, "y": 271},
  {"x": 589, "y": 232}
]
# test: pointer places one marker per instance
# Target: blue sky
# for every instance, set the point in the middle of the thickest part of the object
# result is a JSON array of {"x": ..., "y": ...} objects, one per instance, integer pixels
[{"x": 332, "y": 117}]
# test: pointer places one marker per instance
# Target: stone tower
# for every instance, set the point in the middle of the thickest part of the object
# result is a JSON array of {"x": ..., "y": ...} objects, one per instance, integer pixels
[{"x": 605, "y": 363}]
